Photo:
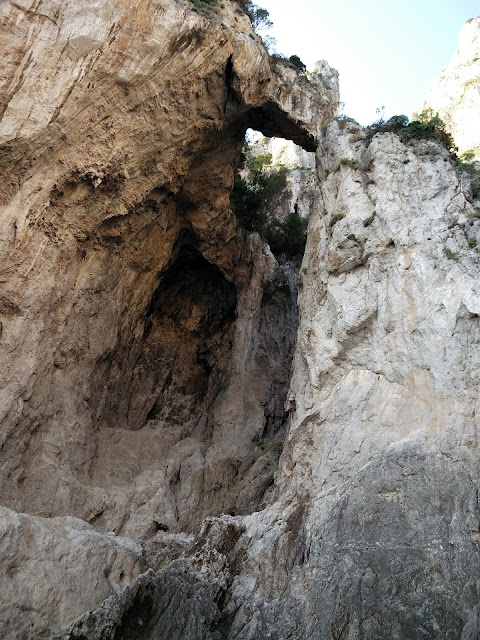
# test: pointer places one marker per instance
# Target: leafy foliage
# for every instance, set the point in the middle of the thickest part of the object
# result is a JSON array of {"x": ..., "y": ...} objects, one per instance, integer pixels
[
  {"x": 298, "y": 64},
  {"x": 202, "y": 4},
  {"x": 335, "y": 218},
  {"x": 472, "y": 242},
  {"x": 256, "y": 185},
  {"x": 467, "y": 164},
  {"x": 259, "y": 17},
  {"x": 451, "y": 255},
  {"x": 287, "y": 237},
  {"x": 426, "y": 126},
  {"x": 293, "y": 62},
  {"x": 349, "y": 162}
]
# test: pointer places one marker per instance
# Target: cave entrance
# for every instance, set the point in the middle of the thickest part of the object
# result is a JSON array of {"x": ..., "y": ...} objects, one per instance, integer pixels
[{"x": 187, "y": 337}]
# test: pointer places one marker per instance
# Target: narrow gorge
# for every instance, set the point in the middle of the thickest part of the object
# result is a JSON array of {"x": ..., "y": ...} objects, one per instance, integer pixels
[{"x": 201, "y": 439}]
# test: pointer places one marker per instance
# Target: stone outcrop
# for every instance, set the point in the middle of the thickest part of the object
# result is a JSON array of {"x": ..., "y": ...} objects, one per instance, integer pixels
[
  {"x": 130, "y": 298},
  {"x": 145, "y": 341},
  {"x": 53, "y": 569},
  {"x": 373, "y": 525},
  {"x": 230, "y": 476},
  {"x": 302, "y": 189},
  {"x": 455, "y": 95}
]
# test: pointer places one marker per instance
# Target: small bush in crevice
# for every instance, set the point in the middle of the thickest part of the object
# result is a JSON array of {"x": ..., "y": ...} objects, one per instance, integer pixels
[
  {"x": 466, "y": 164},
  {"x": 349, "y": 162},
  {"x": 293, "y": 62},
  {"x": 344, "y": 120},
  {"x": 451, "y": 255},
  {"x": 202, "y": 4},
  {"x": 259, "y": 17},
  {"x": 298, "y": 64},
  {"x": 335, "y": 218}
]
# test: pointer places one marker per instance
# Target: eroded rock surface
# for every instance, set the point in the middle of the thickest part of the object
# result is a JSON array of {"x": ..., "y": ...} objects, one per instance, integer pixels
[
  {"x": 130, "y": 298},
  {"x": 373, "y": 526},
  {"x": 455, "y": 95},
  {"x": 147, "y": 348},
  {"x": 53, "y": 569},
  {"x": 145, "y": 341}
]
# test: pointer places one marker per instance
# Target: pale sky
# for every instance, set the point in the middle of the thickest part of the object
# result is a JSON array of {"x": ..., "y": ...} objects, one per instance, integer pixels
[{"x": 388, "y": 53}]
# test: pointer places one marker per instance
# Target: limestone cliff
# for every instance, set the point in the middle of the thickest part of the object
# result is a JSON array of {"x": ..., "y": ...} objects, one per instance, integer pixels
[
  {"x": 373, "y": 525},
  {"x": 146, "y": 342},
  {"x": 455, "y": 95},
  {"x": 191, "y": 465},
  {"x": 137, "y": 376}
]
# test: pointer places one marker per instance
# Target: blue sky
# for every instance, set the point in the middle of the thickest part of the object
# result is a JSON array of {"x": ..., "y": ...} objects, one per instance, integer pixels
[{"x": 388, "y": 53}]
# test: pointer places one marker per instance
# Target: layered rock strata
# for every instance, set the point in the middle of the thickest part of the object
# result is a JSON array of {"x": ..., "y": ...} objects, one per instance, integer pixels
[
  {"x": 137, "y": 376},
  {"x": 147, "y": 350},
  {"x": 146, "y": 342}
]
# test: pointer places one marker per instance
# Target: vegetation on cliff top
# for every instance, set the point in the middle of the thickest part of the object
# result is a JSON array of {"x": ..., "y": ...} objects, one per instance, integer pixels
[
  {"x": 426, "y": 125},
  {"x": 259, "y": 17}
]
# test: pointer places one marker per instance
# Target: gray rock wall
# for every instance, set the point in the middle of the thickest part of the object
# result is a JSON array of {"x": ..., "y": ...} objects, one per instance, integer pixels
[{"x": 147, "y": 346}]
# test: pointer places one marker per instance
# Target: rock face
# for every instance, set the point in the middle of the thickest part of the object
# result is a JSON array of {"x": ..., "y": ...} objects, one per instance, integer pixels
[
  {"x": 54, "y": 569},
  {"x": 138, "y": 379},
  {"x": 303, "y": 189},
  {"x": 383, "y": 443},
  {"x": 456, "y": 93},
  {"x": 230, "y": 476}
]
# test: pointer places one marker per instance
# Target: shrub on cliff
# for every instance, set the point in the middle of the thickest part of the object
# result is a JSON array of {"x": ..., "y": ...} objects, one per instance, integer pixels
[
  {"x": 288, "y": 237},
  {"x": 257, "y": 184},
  {"x": 293, "y": 62},
  {"x": 467, "y": 164},
  {"x": 202, "y": 4},
  {"x": 298, "y": 64},
  {"x": 259, "y": 16},
  {"x": 426, "y": 126}
]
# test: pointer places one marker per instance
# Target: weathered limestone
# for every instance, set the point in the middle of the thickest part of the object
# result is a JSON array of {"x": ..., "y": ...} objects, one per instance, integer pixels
[
  {"x": 375, "y": 529},
  {"x": 387, "y": 347},
  {"x": 120, "y": 131},
  {"x": 53, "y": 569},
  {"x": 146, "y": 347},
  {"x": 455, "y": 95}
]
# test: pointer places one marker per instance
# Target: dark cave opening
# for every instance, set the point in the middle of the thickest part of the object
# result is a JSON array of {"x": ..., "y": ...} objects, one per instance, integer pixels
[{"x": 186, "y": 336}]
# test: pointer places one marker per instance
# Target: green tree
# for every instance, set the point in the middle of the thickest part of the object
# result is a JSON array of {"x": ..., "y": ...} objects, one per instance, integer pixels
[
  {"x": 256, "y": 185},
  {"x": 298, "y": 64},
  {"x": 427, "y": 126},
  {"x": 288, "y": 237},
  {"x": 259, "y": 16}
]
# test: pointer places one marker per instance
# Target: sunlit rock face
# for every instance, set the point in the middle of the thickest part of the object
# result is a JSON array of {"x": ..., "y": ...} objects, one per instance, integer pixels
[
  {"x": 130, "y": 297},
  {"x": 145, "y": 341},
  {"x": 375, "y": 530},
  {"x": 456, "y": 93},
  {"x": 392, "y": 232},
  {"x": 203, "y": 453},
  {"x": 371, "y": 528}
]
